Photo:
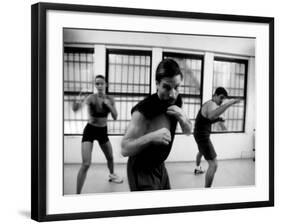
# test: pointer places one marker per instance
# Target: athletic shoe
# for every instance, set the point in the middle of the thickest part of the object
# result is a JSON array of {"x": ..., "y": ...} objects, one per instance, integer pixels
[
  {"x": 115, "y": 179},
  {"x": 199, "y": 171}
]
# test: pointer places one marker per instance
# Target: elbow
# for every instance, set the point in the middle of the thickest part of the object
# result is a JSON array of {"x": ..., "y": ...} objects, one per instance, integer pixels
[
  {"x": 187, "y": 132},
  {"x": 188, "y": 129},
  {"x": 114, "y": 116},
  {"x": 124, "y": 150},
  {"x": 124, "y": 153},
  {"x": 212, "y": 117}
]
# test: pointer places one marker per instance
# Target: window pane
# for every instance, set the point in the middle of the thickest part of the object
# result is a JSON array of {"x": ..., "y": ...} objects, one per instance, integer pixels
[
  {"x": 231, "y": 75},
  {"x": 128, "y": 73},
  {"x": 123, "y": 104},
  {"x": 128, "y": 82},
  {"x": 191, "y": 68},
  {"x": 78, "y": 71}
]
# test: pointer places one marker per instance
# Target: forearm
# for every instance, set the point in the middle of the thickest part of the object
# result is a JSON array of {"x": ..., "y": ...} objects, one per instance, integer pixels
[
  {"x": 131, "y": 147},
  {"x": 185, "y": 124},
  {"x": 113, "y": 111},
  {"x": 80, "y": 101},
  {"x": 220, "y": 110},
  {"x": 219, "y": 119}
]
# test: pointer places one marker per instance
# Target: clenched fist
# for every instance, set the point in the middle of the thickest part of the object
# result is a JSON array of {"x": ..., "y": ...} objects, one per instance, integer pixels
[
  {"x": 107, "y": 102},
  {"x": 174, "y": 111},
  {"x": 76, "y": 106},
  {"x": 161, "y": 136}
]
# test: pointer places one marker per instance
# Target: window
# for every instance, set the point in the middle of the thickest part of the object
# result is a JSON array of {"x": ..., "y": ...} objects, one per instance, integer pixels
[
  {"x": 129, "y": 79},
  {"x": 191, "y": 89},
  {"x": 232, "y": 75},
  {"x": 78, "y": 72}
]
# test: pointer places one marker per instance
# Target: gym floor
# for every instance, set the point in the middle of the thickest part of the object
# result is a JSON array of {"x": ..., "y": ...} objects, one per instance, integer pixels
[{"x": 236, "y": 172}]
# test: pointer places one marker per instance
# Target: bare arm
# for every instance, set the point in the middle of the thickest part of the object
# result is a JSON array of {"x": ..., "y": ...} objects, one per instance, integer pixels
[
  {"x": 212, "y": 112},
  {"x": 136, "y": 138},
  {"x": 77, "y": 104},
  {"x": 111, "y": 106},
  {"x": 179, "y": 114}
]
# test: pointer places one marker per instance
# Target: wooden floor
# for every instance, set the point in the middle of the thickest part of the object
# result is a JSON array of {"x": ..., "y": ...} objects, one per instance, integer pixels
[{"x": 230, "y": 173}]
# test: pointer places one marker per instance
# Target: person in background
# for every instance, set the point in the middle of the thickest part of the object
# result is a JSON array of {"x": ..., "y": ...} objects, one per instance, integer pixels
[
  {"x": 208, "y": 114},
  {"x": 99, "y": 106}
]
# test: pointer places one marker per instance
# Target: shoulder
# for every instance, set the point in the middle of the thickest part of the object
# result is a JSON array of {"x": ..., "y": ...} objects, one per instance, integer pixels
[
  {"x": 138, "y": 121},
  {"x": 111, "y": 98},
  {"x": 144, "y": 106},
  {"x": 90, "y": 98},
  {"x": 209, "y": 106}
]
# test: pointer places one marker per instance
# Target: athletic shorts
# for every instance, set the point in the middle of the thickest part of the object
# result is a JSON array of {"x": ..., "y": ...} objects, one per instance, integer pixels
[
  {"x": 147, "y": 179},
  {"x": 92, "y": 133},
  {"x": 207, "y": 149}
]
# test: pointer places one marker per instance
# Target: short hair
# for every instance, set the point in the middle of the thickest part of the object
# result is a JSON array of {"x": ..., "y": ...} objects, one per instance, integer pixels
[
  {"x": 221, "y": 91},
  {"x": 99, "y": 76},
  {"x": 167, "y": 68}
]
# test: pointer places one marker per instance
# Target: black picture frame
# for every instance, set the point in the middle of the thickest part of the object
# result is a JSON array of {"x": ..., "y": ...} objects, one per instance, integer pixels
[{"x": 39, "y": 109}]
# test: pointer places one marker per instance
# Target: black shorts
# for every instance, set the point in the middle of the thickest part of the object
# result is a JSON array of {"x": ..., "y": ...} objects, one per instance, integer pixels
[
  {"x": 92, "y": 133},
  {"x": 206, "y": 148},
  {"x": 147, "y": 179}
]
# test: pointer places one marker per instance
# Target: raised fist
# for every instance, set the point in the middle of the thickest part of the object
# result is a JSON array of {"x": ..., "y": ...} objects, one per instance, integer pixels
[
  {"x": 75, "y": 106},
  {"x": 107, "y": 102}
]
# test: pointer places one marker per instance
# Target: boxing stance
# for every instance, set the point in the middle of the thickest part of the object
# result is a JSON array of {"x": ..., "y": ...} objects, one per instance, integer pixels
[
  {"x": 207, "y": 115},
  {"x": 151, "y": 131},
  {"x": 99, "y": 105}
]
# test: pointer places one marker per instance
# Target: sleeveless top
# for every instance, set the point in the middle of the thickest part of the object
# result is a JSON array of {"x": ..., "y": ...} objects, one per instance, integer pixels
[
  {"x": 97, "y": 111},
  {"x": 203, "y": 127},
  {"x": 154, "y": 155}
]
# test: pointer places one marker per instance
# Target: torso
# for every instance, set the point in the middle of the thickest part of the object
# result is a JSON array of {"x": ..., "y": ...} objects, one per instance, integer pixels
[
  {"x": 154, "y": 155},
  {"x": 161, "y": 121},
  {"x": 203, "y": 125},
  {"x": 97, "y": 112}
]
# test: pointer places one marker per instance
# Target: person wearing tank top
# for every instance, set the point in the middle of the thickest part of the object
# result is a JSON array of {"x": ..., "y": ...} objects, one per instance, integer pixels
[
  {"x": 208, "y": 114},
  {"x": 150, "y": 134},
  {"x": 99, "y": 106}
]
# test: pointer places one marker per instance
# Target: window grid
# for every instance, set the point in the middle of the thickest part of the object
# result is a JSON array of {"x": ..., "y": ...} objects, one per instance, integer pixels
[
  {"x": 129, "y": 79},
  {"x": 78, "y": 70},
  {"x": 232, "y": 75},
  {"x": 191, "y": 89}
]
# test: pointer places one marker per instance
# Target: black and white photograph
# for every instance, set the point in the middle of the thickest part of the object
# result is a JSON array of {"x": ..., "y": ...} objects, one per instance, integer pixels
[
  {"x": 157, "y": 111},
  {"x": 140, "y": 112}
]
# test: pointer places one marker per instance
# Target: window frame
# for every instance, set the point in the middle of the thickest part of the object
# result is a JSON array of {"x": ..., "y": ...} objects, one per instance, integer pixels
[
  {"x": 73, "y": 49},
  {"x": 241, "y": 61},
  {"x": 190, "y": 56},
  {"x": 124, "y": 51}
]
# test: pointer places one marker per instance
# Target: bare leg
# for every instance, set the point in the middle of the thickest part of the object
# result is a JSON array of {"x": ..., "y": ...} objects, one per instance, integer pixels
[
  {"x": 86, "y": 162},
  {"x": 107, "y": 150},
  {"x": 198, "y": 159},
  {"x": 213, "y": 165}
]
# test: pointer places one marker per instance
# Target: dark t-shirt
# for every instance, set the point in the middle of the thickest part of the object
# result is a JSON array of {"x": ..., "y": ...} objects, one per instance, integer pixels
[{"x": 155, "y": 155}]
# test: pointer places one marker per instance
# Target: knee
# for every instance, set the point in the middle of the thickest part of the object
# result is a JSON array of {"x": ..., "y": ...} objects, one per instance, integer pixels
[
  {"x": 213, "y": 164},
  {"x": 85, "y": 166},
  {"x": 110, "y": 158}
]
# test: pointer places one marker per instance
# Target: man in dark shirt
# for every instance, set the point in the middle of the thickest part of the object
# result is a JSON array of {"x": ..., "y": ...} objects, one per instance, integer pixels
[
  {"x": 207, "y": 115},
  {"x": 150, "y": 134}
]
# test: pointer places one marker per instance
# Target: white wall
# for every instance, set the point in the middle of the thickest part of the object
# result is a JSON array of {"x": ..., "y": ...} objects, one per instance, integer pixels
[
  {"x": 184, "y": 148},
  {"x": 240, "y": 46}
]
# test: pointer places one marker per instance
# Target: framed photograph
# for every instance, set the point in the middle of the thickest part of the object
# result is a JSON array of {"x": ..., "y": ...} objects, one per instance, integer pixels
[{"x": 113, "y": 137}]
